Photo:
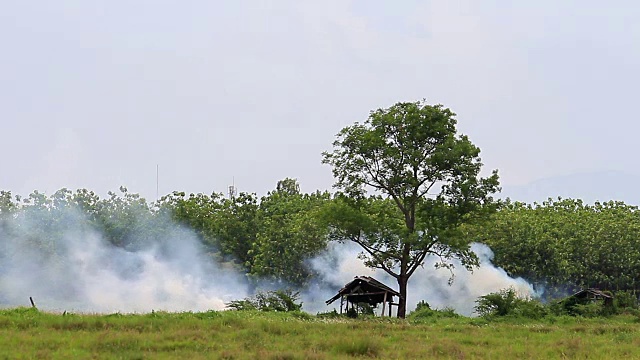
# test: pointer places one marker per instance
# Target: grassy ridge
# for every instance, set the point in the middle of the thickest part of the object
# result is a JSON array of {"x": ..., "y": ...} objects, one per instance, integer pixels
[{"x": 27, "y": 333}]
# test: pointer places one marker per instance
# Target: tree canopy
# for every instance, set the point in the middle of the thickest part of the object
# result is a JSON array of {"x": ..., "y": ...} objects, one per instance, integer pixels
[{"x": 565, "y": 244}]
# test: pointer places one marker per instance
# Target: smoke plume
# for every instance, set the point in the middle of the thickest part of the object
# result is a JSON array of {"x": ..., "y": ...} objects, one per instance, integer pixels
[
  {"x": 66, "y": 264},
  {"x": 339, "y": 265},
  {"x": 79, "y": 270}
]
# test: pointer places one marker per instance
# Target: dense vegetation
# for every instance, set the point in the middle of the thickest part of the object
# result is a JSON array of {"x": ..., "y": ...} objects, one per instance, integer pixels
[
  {"x": 266, "y": 238},
  {"x": 564, "y": 244},
  {"x": 559, "y": 244}
]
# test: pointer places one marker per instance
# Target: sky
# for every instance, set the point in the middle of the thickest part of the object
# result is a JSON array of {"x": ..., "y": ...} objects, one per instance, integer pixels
[{"x": 99, "y": 94}]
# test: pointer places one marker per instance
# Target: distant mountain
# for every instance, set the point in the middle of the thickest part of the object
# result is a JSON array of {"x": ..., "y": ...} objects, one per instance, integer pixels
[{"x": 590, "y": 187}]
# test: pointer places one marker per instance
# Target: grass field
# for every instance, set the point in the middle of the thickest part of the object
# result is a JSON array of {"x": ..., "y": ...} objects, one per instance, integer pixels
[{"x": 26, "y": 333}]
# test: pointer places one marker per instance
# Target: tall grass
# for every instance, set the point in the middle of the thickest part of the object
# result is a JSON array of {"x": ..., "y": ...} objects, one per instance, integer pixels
[{"x": 28, "y": 333}]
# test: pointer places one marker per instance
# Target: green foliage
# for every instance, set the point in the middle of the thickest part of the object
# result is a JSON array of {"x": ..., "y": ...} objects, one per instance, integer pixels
[
  {"x": 426, "y": 180},
  {"x": 199, "y": 212},
  {"x": 228, "y": 226},
  {"x": 566, "y": 243},
  {"x": 506, "y": 302},
  {"x": 499, "y": 303},
  {"x": 625, "y": 300},
  {"x": 428, "y": 314},
  {"x": 277, "y": 300},
  {"x": 422, "y": 304},
  {"x": 7, "y": 204},
  {"x": 584, "y": 307},
  {"x": 290, "y": 231},
  {"x": 423, "y": 312},
  {"x": 270, "y": 238},
  {"x": 593, "y": 309}
]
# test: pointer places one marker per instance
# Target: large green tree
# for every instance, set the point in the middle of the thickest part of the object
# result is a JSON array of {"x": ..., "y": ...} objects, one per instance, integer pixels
[
  {"x": 290, "y": 231},
  {"x": 408, "y": 181}
]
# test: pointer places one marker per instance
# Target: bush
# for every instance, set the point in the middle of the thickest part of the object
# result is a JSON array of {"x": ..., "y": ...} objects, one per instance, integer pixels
[
  {"x": 422, "y": 313},
  {"x": 507, "y": 302},
  {"x": 278, "y": 300},
  {"x": 593, "y": 309},
  {"x": 625, "y": 300},
  {"x": 422, "y": 305},
  {"x": 530, "y": 309},
  {"x": 499, "y": 304}
]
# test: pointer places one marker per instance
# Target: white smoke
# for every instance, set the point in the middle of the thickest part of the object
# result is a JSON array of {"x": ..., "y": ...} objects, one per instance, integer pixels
[
  {"x": 78, "y": 270},
  {"x": 81, "y": 271},
  {"x": 339, "y": 265}
]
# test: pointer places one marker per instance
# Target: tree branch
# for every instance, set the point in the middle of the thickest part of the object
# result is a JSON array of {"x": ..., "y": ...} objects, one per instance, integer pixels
[
  {"x": 417, "y": 260},
  {"x": 376, "y": 257}
]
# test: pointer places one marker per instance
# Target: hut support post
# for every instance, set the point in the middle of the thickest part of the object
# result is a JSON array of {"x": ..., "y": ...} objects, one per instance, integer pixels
[
  {"x": 384, "y": 303},
  {"x": 341, "y": 303}
]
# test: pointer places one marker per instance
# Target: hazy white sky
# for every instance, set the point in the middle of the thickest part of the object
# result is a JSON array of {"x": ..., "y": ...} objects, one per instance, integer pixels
[{"x": 95, "y": 94}]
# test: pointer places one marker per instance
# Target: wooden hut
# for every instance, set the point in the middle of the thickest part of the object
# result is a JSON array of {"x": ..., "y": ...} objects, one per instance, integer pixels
[
  {"x": 591, "y": 295},
  {"x": 365, "y": 289},
  {"x": 585, "y": 297}
]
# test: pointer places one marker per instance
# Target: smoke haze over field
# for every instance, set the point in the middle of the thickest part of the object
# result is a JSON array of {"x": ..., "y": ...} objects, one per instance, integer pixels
[
  {"x": 78, "y": 270},
  {"x": 339, "y": 265},
  {"x": 70, "y": 266}
]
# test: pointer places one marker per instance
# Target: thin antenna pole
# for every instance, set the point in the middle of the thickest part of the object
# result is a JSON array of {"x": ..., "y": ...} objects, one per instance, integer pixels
[
  {"x": 232, "y": 188},
  {"x": 157, "y": 180}
]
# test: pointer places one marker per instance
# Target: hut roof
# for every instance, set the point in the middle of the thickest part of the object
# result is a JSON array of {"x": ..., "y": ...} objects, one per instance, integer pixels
[
  {"x": 592, "y": 293},
  {"x": 364, "y": 285}
]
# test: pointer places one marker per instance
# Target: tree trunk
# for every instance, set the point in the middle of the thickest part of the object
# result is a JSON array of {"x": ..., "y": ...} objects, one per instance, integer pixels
[{"x": 402, "y": 302}]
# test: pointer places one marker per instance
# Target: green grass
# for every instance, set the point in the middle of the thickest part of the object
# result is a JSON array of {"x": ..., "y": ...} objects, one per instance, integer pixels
[{"x": 26, "y": 333}]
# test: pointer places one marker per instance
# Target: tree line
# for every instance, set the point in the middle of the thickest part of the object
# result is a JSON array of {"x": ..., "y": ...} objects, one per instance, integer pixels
[
  {"x": 564, "y": 244},
  {"x": 560, "y": 245},
  {"x": 408, "y": 186},
  {"x": 266, "y": 238}
]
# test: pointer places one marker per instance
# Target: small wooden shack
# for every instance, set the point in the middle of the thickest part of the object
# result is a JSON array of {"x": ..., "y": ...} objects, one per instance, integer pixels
[
  {"x": 590, "y": 295},
  {"x": 585, "y": 297},
  {"x": 365, "y": 289}
]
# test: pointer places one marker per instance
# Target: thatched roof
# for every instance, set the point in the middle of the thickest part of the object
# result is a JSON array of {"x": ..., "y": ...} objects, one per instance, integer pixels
[{"x": 365, "y": 289}]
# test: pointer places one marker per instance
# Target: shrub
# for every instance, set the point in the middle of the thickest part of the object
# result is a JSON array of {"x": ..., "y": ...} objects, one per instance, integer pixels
[
  {"x": 421, "y": 305},
  {"x": 593, "y": 309},
  {"x": 530, "y": 309},
  {"x": 499, "y": 303},
  {"x": 625, "y": 300},
  {"x": 422, "y": 313},
  {"x": 507, "y": 302}
]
